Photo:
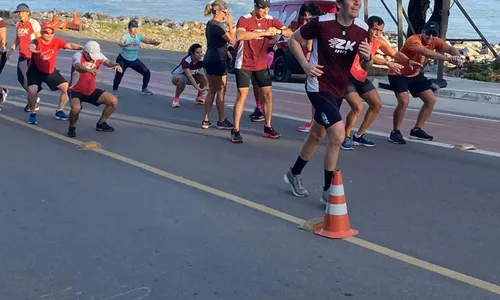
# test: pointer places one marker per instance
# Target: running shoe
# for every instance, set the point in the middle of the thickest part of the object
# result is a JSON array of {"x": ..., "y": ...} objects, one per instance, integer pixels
[
  {"x": 61, "y": 115},
  {"x": 270, "y": 133},
  {"x": 32, "y": 119},
  {"x": 347, "y": 144},
  {"x": 72, "y": 132},
  {"x": 176, "y": 103},
  {"x": 225, "y": 124},
  {"x": 295, "y": 184},
  {"x": 396, "y": 137},
  {"x": 305, "y": 128},
  {"x": 362, "y": 141},
  {"x": 104, "y": 127},
  {"x": 146, "y": 92},
  {"x": 236, "y": 136},
  {"x": 419, "y": 134}
]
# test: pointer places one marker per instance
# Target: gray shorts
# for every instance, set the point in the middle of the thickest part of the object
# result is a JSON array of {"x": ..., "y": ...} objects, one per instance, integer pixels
[{"x": 359, "y": 87}]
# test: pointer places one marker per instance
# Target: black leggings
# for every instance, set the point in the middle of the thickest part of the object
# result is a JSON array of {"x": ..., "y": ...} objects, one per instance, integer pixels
[{"x": 137, "y": 66}]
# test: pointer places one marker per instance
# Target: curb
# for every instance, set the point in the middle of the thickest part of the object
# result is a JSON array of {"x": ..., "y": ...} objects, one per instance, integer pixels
[{"x": 462, "y": 95}]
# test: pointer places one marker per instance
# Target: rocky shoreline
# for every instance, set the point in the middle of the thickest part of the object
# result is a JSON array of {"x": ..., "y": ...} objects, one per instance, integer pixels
[{"x": 178, "y": 36}]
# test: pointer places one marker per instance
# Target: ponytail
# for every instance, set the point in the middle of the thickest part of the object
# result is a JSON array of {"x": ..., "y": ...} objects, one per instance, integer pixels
[{"x": 208, "y": 9}]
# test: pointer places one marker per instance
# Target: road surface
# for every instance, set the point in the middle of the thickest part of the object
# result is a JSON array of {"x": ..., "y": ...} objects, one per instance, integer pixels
[{"x": 166, "y": 210}]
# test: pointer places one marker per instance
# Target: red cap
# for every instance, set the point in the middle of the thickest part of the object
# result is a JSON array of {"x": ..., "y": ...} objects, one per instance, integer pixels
[{"x": 47, "y": 25}]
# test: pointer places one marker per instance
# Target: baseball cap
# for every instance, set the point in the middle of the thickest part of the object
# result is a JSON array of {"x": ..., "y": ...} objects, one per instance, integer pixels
[
  {"x": 47, "y": 25},
  {"x": 432, "y": 27},
  {"x": 22, "y": 7},
  {"x": 133, "y": 24},
  {"x": 94, "y": 50},
  {"x": 262, "y": 3}
]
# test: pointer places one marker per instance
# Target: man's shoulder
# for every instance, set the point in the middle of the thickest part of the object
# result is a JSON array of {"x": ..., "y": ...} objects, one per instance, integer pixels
[{"x": 359, "y": 23}]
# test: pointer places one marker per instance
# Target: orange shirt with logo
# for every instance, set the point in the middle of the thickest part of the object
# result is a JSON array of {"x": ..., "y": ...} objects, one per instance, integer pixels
[{"x": 409, "y": 47}]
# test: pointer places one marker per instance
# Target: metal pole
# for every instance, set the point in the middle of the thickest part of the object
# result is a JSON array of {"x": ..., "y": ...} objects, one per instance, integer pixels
[
  {"x": 444, "y": 28},
  {"x": 400, "y": 24},
  {"x": 475, "y": 28},
  {"x": 389, "y": 11},
  {"x": 408, "y": 21},
  {"x": 365, "y": 3}
]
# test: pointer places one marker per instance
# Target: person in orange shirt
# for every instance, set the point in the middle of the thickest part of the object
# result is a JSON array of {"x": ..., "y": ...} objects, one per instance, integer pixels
[
  {"x": 420, "y": 48},
  {"x": 360, "y": 87}
]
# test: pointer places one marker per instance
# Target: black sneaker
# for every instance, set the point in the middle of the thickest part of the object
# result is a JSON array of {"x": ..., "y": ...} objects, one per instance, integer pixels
[
  {"x": 396, "y": 137},
  {"x": 270, "y": 133},
  {"x": 419, "y": 134},
  {"x": 104, "y": 127},
  {"x": 72, "y": 132},
  {"x": 236, "y": 136},
  {"x": 257, "y": 116},
  {"x": 224, "y": 124}
]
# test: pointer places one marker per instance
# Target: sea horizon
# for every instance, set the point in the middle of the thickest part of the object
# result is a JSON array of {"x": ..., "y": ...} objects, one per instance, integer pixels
[{"x": 481, "y": 12}]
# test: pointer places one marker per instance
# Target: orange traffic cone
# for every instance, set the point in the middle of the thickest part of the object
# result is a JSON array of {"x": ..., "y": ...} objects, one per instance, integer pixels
[{"x": 336, "y": 221}]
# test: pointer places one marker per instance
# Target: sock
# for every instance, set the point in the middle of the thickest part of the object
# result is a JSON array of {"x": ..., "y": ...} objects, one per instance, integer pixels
[
  {"x": 298, "y": 166},
  {"x": 328, "y": 179},
  {"x": 258, "y": 105}
]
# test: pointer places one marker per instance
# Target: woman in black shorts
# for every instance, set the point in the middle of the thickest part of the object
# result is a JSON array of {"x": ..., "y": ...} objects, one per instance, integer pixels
[{"x": 218, "y": 34}]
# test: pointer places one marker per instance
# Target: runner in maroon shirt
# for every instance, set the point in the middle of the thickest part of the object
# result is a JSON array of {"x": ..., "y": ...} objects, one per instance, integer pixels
[
  {"x": 254, "y": 31},
  {"x": 43, "y": 69},
  {"x": 337, "y": 38}
]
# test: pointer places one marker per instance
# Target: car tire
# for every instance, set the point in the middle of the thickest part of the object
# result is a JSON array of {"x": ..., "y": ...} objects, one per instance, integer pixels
[{"x": 280, "y": 71}]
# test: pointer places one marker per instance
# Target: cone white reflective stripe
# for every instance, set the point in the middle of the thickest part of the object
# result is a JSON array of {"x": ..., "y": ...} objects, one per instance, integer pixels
[
  {"x": 336, "y": 190},
  {"x": 336, "y": 209}
]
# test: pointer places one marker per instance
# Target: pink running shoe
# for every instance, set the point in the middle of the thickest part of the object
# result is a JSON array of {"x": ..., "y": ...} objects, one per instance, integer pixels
[
  {"x": 176, "y": 103},
  {"x": 305, "y": 128}
]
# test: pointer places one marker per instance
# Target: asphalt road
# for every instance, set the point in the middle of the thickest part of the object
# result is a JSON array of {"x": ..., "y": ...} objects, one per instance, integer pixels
[{"x": 99, "y": 225}]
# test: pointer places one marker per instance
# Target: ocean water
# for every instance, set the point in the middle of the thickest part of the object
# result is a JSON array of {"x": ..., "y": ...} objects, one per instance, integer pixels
[{"x": 482, "y": 12}]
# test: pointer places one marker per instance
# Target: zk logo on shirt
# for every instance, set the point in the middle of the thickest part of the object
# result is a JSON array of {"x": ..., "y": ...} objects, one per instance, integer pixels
[{"x": 341, "y": 45}]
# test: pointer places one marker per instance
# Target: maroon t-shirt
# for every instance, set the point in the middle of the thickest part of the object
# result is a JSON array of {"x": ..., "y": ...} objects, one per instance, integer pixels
[
  {"x": 334, "y": 47},
  {"x": 251, "y": 54}
]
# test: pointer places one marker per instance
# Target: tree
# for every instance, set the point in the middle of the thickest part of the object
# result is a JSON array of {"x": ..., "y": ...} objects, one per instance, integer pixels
[{"x": 417, "y": 13}]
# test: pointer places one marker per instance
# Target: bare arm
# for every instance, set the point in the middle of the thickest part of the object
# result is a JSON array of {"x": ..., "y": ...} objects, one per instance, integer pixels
[
  {"x": 430, "y": 53},
  {"x": 81, "y": 69},
  {"x": 150, "y": 41},
  {"x": 3, "y": 38},
  {"x": 285, "y": 31},
  {"x": 121, "y": 43},
  {"x": 451, "y": 50},
  {"x": 295, "y": 45},
  {"x": 243, "y": 35},
  {"x": 72, "y": 46},
  {"x": 191, "y": 79}
]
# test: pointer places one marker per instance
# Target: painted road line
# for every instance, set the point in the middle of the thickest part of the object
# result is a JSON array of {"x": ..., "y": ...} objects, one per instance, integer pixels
[
  {"x": 271, "y": 211},
  {"x": 288, "y": 117},
  {"x": 413, "y": 121}
]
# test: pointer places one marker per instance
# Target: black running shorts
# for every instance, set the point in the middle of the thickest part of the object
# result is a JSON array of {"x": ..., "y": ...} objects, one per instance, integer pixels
[
  {"x": 359, "y": 87},
  {"x": 215, "y": 68},
  {"x": 326, "y": 108},
  {"x": 36, "y": 77},
  {"x": 92, "y": 98},
  {"x": 416, "y": 85},
  {"x": 3, "y": 60},
  {"x": 262, "y": 78}
]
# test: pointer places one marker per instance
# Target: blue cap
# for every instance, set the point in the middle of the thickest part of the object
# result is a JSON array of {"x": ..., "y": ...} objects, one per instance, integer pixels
[
  {"x": 431, "y": 26},
  {"x": 22, "y": 7}
]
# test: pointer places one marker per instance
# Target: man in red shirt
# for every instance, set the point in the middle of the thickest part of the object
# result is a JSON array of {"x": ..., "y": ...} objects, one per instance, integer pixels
[
  {"x": 43, "y": 69},
  {"x": 337, "y": 39},
  {"x": 27, "y": 29},
  {"x": 254, "y": 31},
  {"x": 83, "y": 88}
]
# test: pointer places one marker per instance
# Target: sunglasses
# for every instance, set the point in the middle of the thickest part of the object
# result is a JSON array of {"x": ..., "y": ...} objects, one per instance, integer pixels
[
  {"x": 432, "y": 33},
  {"x": 47, "y": 32}
]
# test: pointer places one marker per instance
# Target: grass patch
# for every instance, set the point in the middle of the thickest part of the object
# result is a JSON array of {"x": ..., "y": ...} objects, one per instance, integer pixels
[{"x": 111, "y": 26}]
